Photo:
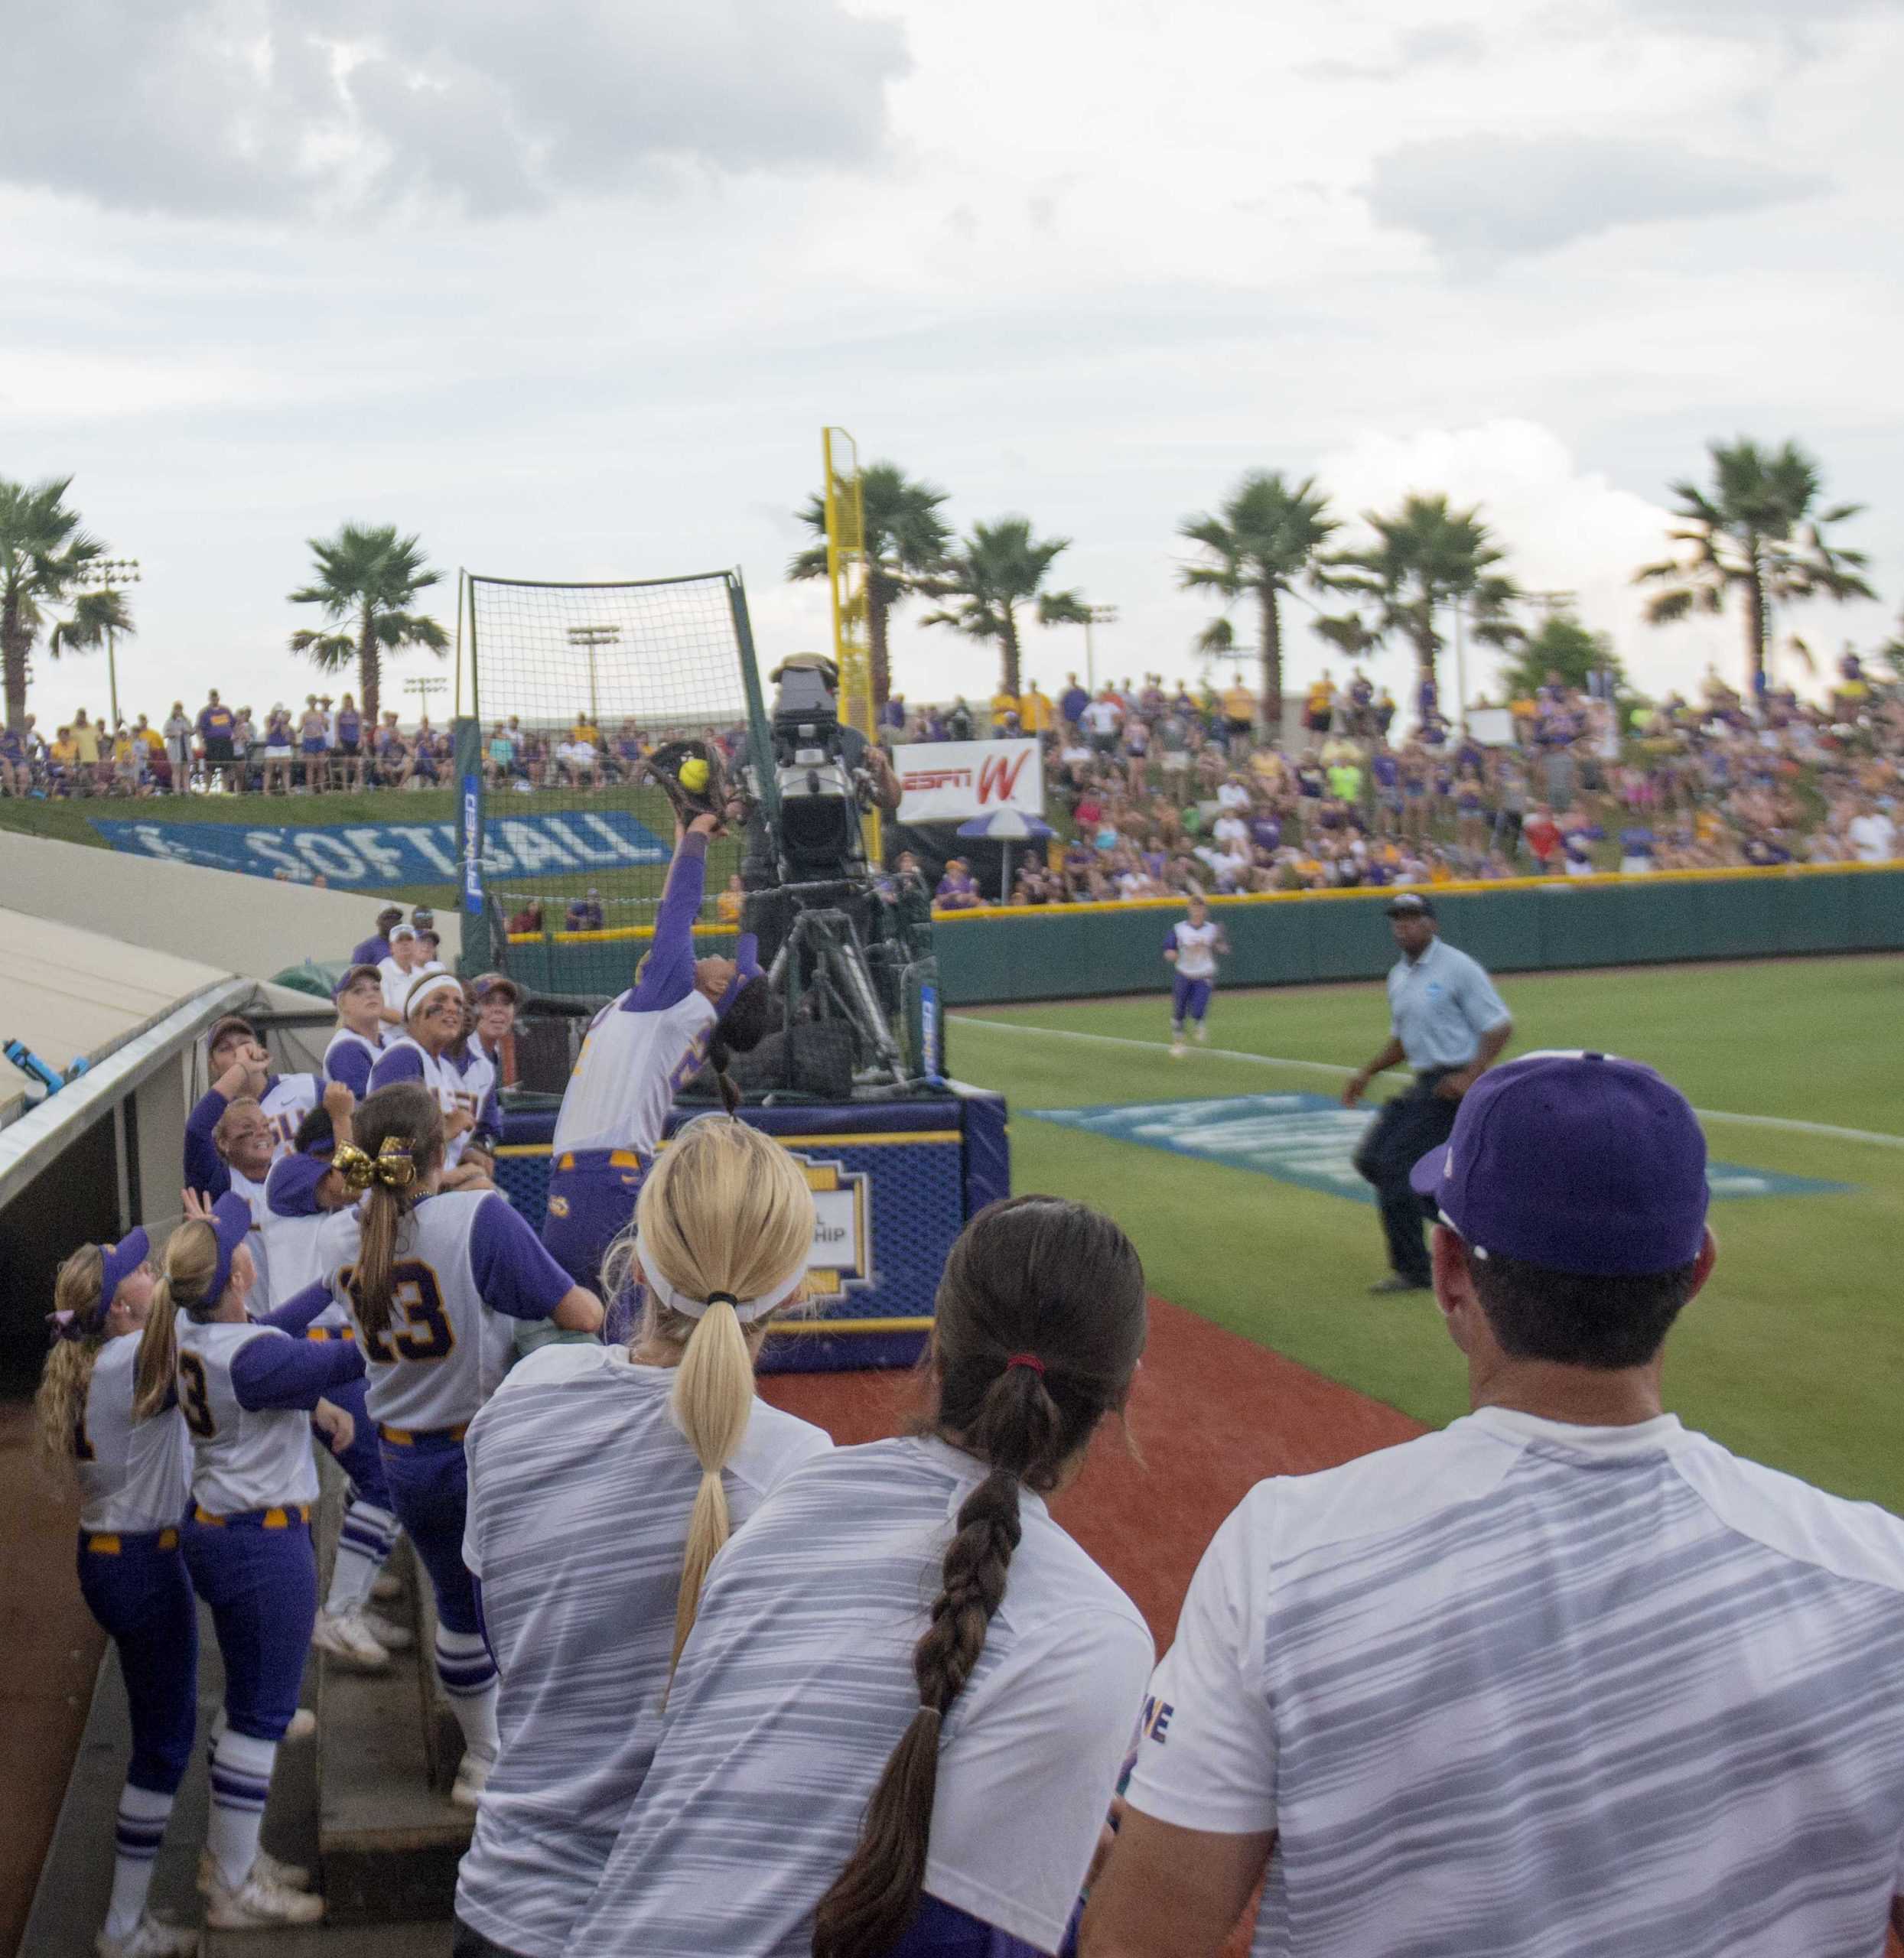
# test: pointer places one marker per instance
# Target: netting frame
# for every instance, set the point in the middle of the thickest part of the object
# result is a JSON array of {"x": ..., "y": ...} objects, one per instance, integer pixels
[{"x": 485, "y": 938}]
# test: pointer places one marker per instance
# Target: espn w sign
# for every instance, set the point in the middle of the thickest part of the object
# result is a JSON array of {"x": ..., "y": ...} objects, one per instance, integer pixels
[{"x": 946, "y": 782}]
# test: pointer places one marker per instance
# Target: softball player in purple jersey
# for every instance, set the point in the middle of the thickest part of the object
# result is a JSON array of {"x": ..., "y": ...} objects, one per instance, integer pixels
[
  {"x": 1193, "y": 947},
  {"x": 135, "y": 1478},
  {"x": 641, "y": 1050},
  {"x": 432, "y": 1279},
  {"x": 248, "y": 1390}
]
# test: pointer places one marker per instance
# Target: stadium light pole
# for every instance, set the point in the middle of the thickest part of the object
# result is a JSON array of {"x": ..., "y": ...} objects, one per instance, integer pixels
[
  {"x": 111, "y": 574},
  {"x": 1095, "y": 615},
  {"x": 423, "y": 685},
  {"x": 589, "y": 637}
]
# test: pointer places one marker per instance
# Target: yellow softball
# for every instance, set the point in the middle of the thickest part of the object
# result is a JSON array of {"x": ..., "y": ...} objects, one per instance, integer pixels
[{"x": 693, "y": 775}]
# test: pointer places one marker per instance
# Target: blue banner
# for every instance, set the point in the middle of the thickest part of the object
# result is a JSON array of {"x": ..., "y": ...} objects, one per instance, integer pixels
[
  {"x": 373, "y": 855},
  {"x": 1310, "y": 1140}
]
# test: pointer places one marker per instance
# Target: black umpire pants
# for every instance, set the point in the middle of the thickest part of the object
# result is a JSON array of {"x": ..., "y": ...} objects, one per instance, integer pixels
[{"x": 1413, "y": 1123}]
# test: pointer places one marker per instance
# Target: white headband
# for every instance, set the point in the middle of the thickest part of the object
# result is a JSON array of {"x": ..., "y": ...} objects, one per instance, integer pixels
[
  {"x": 745, "y": 1310},
  {"x": 430, "y": 982}
]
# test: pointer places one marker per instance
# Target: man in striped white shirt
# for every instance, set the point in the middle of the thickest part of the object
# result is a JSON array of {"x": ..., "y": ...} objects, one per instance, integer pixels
[{"x": 1565, "y": 1679}]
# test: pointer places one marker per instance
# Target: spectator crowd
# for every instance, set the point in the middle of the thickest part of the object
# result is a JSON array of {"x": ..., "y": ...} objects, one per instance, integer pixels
[{"x": 1156, "y": 792}]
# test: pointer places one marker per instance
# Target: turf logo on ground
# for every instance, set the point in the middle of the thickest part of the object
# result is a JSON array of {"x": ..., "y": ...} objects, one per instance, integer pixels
[{"x": 1310, "y": 1140}]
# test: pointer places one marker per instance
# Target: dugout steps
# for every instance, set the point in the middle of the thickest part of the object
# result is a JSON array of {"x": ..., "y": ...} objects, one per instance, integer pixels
[{"x": 364, "y": 1804}]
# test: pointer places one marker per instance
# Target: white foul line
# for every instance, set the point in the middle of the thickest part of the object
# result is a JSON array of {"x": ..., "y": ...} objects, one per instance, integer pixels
[{"x": 1785, "y": 1122}]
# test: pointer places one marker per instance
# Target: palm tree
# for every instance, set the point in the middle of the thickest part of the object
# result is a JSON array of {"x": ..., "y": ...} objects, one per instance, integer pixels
[
  {"x": 1425, "y": 556},
  {"x": 366, "y": 578},
  {"x": 998, "y": 568},
  {"x": 906, "y": 541},
  {"x": 1760, "y": 533},
  {"x": 1564, "y": 646},
  {"x": 1267, "y": 536},
  {"x": 43, "y": 553}
]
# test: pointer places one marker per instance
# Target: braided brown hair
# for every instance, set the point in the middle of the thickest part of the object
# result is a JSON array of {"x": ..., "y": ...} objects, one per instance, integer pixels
[{"x": 1040, "y": 1323}]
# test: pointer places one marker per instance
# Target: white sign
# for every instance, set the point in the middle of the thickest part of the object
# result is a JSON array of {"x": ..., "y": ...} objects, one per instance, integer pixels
[{"x": 948, "y": 782}]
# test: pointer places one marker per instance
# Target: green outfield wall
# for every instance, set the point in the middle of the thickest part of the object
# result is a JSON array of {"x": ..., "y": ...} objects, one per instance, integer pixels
[
  {"x": 1528, "y": 925},
  {"x": 1299, "y": 937}
]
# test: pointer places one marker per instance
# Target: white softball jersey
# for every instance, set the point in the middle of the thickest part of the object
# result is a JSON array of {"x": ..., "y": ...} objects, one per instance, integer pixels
[
  {"x": 466, "y": 1266},
  {"x": 632, "y": 1064},
  {"x": 406, "y": 1059},
  {"x": 134, "y": 1475},
  {"x": 242, "y": 1458},
  {"x": 1197, "y": 948}
]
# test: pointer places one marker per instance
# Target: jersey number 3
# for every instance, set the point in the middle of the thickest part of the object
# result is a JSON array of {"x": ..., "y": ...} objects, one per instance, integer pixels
[
  {"x": 194, "y": 1397},
  {"x": 419, "y": 1328}
]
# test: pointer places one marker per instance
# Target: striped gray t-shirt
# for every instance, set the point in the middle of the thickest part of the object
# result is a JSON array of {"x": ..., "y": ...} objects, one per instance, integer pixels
[
  {"x": 1542, "y": 1691},
  {"x": 579, "y": 1494},
  {"x": 797, "y": 1685}
]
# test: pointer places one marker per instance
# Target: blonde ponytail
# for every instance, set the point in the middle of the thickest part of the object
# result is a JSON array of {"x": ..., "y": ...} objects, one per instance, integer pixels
[
  {"x": 712, "y": 1400},
  {"x": 60, "y": 1400},
  {"x": 725, "y": 1216},
  {"x": 191, "y": 1262}
]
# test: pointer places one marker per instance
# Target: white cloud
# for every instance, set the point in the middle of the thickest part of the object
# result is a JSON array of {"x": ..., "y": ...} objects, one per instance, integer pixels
[
  {"x": 246, "y": 108},
  {"x": 1482, "y": 196}
]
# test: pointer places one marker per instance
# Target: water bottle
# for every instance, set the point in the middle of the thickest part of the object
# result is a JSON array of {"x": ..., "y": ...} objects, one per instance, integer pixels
[{"x": 42, "y": 1078}]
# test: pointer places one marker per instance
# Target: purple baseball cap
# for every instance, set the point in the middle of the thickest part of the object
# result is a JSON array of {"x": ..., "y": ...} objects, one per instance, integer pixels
[
  {"x": 231, "y": 1224},
  {"x": 1575, "y": 1162},
  {"x": 117, "y": 1262}
]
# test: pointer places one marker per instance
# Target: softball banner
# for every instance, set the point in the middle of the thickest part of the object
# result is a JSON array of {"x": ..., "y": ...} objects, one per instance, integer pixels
[
  {"x": 947, "y": 781},
  {"x": 376, "y": 856}
]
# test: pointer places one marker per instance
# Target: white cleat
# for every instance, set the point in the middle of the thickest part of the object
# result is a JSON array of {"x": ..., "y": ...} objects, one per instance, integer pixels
[
  {"x": 345, "y": 1636},
  {"x": 1178, "y": 1050},
  {"x": 281, "y": 1875},
  {"x": 1203, "y": 1034},
  {"x": 260, "y": 1904},
  {"x": 392, "y": 1636},
  {"x": 471, "y": 1779},
  {"x": 150, "y": 1937}
]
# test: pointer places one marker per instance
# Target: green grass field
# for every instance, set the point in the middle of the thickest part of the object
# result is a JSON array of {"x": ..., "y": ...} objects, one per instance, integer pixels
[{"x": 1791, "y": 1355}]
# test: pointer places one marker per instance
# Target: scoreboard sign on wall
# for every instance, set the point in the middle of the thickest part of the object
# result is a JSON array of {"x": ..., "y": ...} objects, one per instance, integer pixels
[{"x": 893, "y": 1184}]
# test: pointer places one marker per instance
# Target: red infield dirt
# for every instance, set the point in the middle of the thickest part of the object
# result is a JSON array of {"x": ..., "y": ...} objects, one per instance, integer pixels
[{"x": 1212, "y": 1414}]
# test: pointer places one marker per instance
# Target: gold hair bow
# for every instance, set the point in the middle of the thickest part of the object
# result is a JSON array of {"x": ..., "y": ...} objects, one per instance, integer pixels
[{"x": 392, "y": 1166}]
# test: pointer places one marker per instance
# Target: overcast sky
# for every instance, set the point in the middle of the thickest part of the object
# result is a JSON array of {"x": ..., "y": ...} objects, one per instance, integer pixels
[{"x": 570, "y": 290}]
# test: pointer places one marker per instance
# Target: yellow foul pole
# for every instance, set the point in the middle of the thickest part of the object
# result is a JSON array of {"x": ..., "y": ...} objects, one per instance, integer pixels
[{"x": 846, "y": 576}]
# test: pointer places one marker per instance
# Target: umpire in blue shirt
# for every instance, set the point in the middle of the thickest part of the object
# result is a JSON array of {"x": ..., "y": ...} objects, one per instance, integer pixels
[{"x": 1449, "y": 1024}]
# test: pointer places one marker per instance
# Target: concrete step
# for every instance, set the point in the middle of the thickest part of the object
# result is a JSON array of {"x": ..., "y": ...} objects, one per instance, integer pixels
[{"x": 389, "y": 1838}]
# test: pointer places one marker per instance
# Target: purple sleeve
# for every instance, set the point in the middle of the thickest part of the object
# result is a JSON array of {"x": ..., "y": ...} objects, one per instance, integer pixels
[
  {"x": 299, "y": 1309},
  {"x": 204, "y": 1168},
  {"x": 291, "y": 1190},
  {"x": 291, "y": 1373},
  {"x": 513, "y": 1273},
  {"x": 350, "y": 1064},
  {"x": 396, "y": 1064},
  {"x": 668, "y": 977}
]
